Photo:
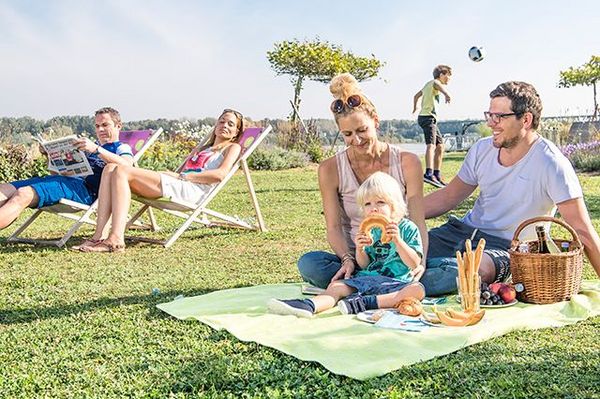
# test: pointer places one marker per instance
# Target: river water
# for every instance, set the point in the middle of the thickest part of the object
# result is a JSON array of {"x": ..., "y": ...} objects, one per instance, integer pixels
[{"x": 417, "y": 148}]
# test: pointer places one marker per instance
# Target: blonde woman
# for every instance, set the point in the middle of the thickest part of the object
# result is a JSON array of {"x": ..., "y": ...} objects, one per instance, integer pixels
[{"x": 341, "y": 175}]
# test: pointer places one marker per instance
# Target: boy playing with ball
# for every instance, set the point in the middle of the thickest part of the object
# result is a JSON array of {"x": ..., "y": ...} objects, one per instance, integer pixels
[{"x": 430, "y": 94}]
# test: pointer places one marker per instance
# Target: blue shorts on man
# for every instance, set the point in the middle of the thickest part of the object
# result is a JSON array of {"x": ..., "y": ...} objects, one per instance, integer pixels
[{"x": 51, "y": 189}]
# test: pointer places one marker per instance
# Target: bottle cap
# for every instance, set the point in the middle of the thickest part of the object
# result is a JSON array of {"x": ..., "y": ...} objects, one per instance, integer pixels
[{"x": 519, "y": 287}]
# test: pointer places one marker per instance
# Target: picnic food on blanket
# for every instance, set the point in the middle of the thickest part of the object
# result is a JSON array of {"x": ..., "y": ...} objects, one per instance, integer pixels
[
  {"x": 497, "y": 294},
  {"x": 431, "y": 317},
  {"x": 377, "y": 315},
  {"x": 373, "y": 221},
  {"x": 410, "y": 307},
  {"x": 459, "y": 318},
  {"x": 468, "y": 289}
]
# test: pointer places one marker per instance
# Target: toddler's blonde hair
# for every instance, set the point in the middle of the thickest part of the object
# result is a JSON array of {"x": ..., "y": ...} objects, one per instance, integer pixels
[{"x": 381, "y": 185}]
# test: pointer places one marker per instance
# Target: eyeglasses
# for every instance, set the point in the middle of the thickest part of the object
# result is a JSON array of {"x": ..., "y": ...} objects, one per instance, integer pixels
[
  {"x": 337, "y": 107},
  {"x": 496, "y": 117}
]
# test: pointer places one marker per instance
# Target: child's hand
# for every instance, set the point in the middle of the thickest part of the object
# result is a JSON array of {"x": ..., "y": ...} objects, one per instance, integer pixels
[
  {"x": 362, "y": 240},
  {"x": 391, "y": 230}
]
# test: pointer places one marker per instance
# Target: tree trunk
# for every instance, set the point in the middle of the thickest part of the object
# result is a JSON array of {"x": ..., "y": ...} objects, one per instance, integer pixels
[
  {"x": 297, "y": 89},
  {"x": 595, "y": 103}
]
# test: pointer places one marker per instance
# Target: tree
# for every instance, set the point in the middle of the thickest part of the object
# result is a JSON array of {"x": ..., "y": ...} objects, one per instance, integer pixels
[
  {"x": 320, "y": 61},
  {"x": 586, "y": 75}
]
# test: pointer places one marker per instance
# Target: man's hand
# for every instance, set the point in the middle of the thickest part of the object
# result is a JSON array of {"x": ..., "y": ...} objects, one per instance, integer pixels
[
  {"x": 447, "y": 98},
  {"x": 85, "y": 144}
]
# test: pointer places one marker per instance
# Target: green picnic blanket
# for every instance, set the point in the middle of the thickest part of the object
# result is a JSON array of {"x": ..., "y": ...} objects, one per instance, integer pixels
[{"x": 347, "y": 346}]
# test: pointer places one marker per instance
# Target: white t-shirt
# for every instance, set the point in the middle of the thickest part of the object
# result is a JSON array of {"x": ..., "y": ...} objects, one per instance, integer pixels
[{"x": 509, "y": 195}]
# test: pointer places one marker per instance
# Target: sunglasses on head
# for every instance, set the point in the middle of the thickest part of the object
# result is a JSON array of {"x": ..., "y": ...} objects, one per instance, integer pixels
[
  {"x": 353, "y": 101},
  {"x": 233, "y": 111}
]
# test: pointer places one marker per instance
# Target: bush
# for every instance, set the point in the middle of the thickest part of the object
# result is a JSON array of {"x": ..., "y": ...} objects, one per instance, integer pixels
[
  {"x": 17, "y": 163},
  {"x": 276, "y": 158},
  {"x": 585, "y": 156},
  {"x": 317, "y": 153},
  {"x": 168, "y": 154}
]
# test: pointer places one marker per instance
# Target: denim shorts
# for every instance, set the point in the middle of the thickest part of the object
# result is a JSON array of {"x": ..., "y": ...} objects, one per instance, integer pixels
[
  {"x": 374, "y": 285},
  {"x": 51, "y": 189}
]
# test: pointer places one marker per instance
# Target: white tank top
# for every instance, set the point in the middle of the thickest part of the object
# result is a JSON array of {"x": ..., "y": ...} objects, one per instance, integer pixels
[{"x": 348, "y": 184}]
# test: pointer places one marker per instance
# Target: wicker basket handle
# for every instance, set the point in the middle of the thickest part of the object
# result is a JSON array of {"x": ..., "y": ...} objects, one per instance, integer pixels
[{"x": 546, "y": 219}]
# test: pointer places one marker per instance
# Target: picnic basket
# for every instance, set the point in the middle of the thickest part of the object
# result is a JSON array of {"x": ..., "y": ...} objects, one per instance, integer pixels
[{"x": 546, "y": 278}]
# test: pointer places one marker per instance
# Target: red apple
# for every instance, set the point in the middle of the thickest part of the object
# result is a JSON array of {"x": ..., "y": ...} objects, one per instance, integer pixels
[
  {"x": 495, "y": 287},
  {"x": 507, "y": 293}
]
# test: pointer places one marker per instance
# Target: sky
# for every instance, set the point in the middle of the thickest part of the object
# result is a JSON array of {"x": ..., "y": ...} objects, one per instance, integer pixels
[{"x": 190, "y": 59}]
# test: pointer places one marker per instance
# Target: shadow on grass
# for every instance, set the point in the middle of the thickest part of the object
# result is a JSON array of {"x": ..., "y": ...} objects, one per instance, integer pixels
[
  {"x": 132, "y": 240},
  {"x": 9, "y": 247},
  {"x": 19, "y": 316},
  {"x": 27, "y": 315}
]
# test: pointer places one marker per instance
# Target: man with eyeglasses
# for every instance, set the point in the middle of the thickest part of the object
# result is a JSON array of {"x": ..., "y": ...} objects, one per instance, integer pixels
[
  {"x": 520, "y": 175},
  {"x": 430, "y": 96}
]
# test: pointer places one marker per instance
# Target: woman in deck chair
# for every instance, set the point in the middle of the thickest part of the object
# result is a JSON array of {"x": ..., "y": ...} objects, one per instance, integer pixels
[{"x": 205, "y": 166}]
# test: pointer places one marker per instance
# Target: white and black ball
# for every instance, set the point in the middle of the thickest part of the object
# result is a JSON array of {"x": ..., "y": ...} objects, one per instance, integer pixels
[{"x": 476, "y": 53}]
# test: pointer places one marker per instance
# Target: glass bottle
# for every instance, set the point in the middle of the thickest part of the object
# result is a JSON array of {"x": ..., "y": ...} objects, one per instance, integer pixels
[{"x": 545, "y": 245}]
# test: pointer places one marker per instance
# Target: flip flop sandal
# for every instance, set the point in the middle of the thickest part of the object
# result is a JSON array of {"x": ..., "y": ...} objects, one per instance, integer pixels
[
  {"x": 104, "y": 247},
  {"x": 90, "y": 242}
]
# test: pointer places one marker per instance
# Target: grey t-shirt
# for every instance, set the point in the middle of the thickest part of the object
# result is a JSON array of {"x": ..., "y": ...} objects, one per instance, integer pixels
[{"x": 509, "y": 195}]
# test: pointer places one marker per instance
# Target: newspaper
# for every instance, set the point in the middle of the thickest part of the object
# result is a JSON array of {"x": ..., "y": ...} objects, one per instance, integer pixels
[{"x": 64, "y": 158}]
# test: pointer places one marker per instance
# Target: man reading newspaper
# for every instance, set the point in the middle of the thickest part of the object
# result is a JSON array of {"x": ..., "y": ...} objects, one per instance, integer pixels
[{"x": 38, "y": 192}]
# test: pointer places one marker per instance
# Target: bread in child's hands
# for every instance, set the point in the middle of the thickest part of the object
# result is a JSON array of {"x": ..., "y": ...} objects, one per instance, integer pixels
[
  {"x": 410, "y": 307},
  {"x": 372, "y": 221}
]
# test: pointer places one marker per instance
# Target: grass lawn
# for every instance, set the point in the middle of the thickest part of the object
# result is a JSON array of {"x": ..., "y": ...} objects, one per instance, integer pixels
[{"x": 84, "y": 325}]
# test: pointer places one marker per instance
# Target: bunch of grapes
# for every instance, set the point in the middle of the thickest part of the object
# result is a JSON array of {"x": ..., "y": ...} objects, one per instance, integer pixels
[{"x": 488, "y": 297}]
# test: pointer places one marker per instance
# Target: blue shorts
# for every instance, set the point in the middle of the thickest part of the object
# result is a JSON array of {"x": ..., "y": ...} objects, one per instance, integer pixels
[
  {"x": 51, "y": 189},
  {"x": 374, "y": 285}
]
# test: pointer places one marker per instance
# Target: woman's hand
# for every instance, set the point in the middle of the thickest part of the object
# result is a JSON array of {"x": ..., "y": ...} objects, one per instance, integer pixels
[
  {"x": 362, "y": 240},
  {"x": 417, "y": 272},
  {"x": 346, "y": 270}
]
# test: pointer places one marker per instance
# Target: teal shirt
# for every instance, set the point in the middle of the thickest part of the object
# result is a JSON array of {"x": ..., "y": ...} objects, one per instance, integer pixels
[{"x": 384, "y": 258}]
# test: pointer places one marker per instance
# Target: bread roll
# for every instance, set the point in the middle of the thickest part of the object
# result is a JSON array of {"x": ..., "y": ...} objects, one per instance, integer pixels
[{"x": 372, "y": 221}]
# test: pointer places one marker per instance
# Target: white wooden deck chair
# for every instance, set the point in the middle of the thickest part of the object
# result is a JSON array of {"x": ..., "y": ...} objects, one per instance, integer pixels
[
  {"x": 199, "y": 213},
  {"x": 140, "y": 141}
]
